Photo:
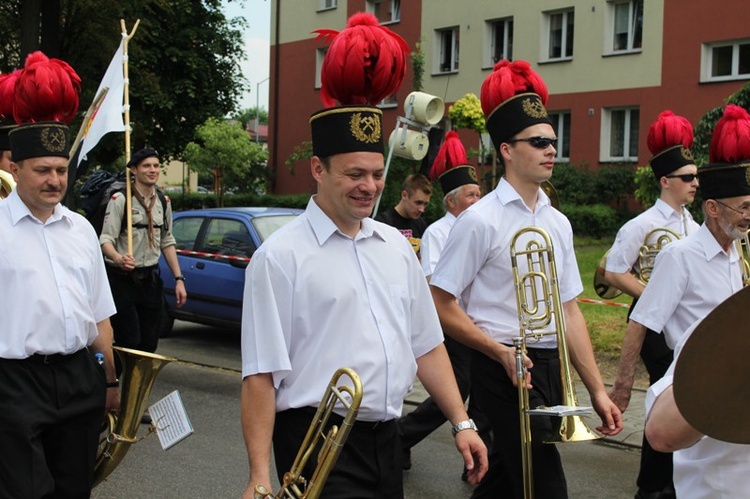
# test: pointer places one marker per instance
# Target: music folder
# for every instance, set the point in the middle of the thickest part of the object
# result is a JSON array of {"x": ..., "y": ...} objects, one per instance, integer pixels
[
  {"x": 170, "y": 420},
  {"x": 560, "y": 410}
]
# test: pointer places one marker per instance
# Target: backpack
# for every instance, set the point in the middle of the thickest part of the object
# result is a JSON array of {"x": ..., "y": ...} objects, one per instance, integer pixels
[{"x": 99, "y": 189}]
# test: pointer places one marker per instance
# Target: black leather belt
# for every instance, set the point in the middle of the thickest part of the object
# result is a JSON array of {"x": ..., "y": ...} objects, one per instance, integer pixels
[
  {"x": 358, "y": 424},
  {"x": 137, "y": 273},
  {"x": 53, "y": 358}
]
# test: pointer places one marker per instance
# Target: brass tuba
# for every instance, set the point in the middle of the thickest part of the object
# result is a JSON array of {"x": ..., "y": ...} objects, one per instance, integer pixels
[
  {"x": 743, "y": 248},
  {"x": 7, "y": 184},
  {"x": 294, "y": 485},
  {"x": 540, "y": 313},
  {"x": 139, "y": 371},
  {"x": 653, "y": 243}
]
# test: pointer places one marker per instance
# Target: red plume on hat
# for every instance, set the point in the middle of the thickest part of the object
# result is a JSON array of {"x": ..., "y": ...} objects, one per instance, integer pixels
[
  {"x": 46, "y": 90},
  {"x": 669, "y": 130},
  {"x": 731, "y": 139},
  {"x": 509, "y": 79},
  {"x": 451, "y": 154},
  {"x": 7, "y": 91},
  {"x": 365, "y": 63}
]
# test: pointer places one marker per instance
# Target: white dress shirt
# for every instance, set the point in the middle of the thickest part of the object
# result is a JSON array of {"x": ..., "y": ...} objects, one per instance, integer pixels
[
  {"x": 433, "y": 241},
  {"x": 316, "y": 300},
  {"x": 690, "y": 278},
  {"x": 475, "y": 264},
  {"x": 624, "y": 253},
  {"x": 53, "y": 286},
  {"x": 710, "y": 468}
]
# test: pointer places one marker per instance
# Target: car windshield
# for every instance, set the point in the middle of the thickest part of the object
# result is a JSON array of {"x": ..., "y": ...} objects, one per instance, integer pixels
[{"x": 270, "y": 224}]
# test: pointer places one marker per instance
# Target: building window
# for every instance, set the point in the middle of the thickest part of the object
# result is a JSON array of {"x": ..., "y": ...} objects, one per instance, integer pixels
[
  {"x": 447, "y": 55},
  {"x": 327, "y": 4},
  {"x": 627, "y": 25},
  {"x": 620, "y": 134},
  {"x": 387, "y": 11},
  {"x": 560, "y": 34},
  {"x": 726, "y": 61},
  {"x": 561, "y": 124},
  {"x": 499, "y": 33},
  {"x": 389, "y": 102},
  {"x": 320, "y": 54}
]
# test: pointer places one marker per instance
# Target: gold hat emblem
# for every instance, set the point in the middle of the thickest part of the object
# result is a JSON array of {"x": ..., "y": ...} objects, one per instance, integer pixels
[
  {"x": 534, "y": 108},
  {"x": 747, "y": 173},
  {"x": 53, "y": 139},
  {"x": 686, "y": 153},
  {"x": 472, "y": 174},
  {"x": 365, "y": 128}
]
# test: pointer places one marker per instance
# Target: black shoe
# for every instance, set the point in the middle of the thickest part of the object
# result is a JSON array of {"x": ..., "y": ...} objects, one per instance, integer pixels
[
  {"x": 667, "y": 493},
  {"x": 146, "y": 418},
  {"x": 406, "y": 459}
]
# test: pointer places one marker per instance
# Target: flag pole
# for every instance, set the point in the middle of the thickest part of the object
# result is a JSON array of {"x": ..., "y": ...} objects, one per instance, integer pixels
[{"x": 126, "y": 104}]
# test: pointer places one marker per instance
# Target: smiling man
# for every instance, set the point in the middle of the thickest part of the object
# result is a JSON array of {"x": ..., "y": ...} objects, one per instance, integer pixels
[{"x": 475, "y": 268}]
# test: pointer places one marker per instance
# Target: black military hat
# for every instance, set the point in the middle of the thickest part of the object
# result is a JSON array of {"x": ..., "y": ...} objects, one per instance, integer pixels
[
  {"x": 343, "y": 129},
  {"x": 669, "y": 140},
  {"x": 670, "y": 160},
  {"x": 34, "y": 140},
  {"x": 728, "y": 173},
  {"x": 515, "y": 114},
  {"x": 719, "y": 181},
  {"x": 139, "y": 156}
]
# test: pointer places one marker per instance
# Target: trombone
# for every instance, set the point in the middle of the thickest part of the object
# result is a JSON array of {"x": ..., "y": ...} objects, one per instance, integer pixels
[
  {"x": 540, "y": 313},
  {"x": 294, "y": 485}
]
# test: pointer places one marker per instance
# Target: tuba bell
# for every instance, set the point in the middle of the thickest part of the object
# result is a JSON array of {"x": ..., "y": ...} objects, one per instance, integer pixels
[
  {"x": 540, "y": 313},
  {"x": 139, "y": 373},
  {"x": 743, "y": 248},
  {"x": 653, "y": 243},
  {"x": 294, "y": 485},
  {"x": 7, "y": 184}
]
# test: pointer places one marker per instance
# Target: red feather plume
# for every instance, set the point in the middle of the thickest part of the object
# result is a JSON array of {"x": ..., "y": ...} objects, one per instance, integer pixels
[
  {"x": 667, "y": 131},
  {"x": 508, "y": 79},
  {"x": 365, "y": 63},
  {"x": 730, "y": 142},
  {"x": 46, "y": 90},
  {"x": 451, "y": 154},
  {"x": 7, "y": 92}
]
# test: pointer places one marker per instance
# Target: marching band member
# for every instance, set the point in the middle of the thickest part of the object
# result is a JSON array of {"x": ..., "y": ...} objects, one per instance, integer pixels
[
  {"x": 670, "y": 138},
  {"x": 475, "y": 267},
  {"x": 335, "y": 287}
]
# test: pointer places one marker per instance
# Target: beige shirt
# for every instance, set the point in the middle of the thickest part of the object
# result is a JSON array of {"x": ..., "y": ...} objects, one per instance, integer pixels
[{"x": 114, "y": 231}]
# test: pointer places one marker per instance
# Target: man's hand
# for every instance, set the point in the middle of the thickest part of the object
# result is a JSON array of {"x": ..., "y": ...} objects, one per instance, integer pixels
[
  {"x": 474, "y": 452},
  {"x": 179, "y": 293},
  {"x": 507, "y": 357},
  {"x": 609, "y": 413},
  {"x": 250, "y": 489},
  {"x": 620, "y": 394},
  {"x": 113, "y": 401},
  {"x": 126, "y": 262}
]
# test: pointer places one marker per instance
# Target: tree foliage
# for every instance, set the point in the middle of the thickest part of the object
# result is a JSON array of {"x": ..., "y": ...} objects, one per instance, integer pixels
[
  {"x": 467, "y": 112},
  {"x": 705, "y": 127},
  {"x": 248, "y": 115},
  {"x": 224, "y": 145},
  {"x": 183, "y": 60}
]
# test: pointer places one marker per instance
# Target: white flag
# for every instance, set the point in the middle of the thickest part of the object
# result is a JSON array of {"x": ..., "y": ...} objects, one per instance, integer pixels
[{"x": 105, "y": 113}]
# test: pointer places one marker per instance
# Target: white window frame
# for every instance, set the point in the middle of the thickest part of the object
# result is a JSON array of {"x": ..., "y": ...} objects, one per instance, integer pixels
[
  {"x": 320, "y": 54},
  {"x": 558, "y": 123},
  {"x": 440, "y": 34},
  {"x": 371, "y": 6},
  {"x": 611, "y": 27},
  {"x": 546, "y": 56},
  {"x": 490, "y": 29},
  {"x": 606, "y": 135},
  {"x": 388, "y": 102},
  {"x": 327, "y": 5},
  {"x": 707, "y": 60}
]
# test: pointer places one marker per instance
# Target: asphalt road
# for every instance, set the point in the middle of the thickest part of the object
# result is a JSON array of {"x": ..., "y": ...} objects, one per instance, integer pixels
[{"x": 212, "y": 462}]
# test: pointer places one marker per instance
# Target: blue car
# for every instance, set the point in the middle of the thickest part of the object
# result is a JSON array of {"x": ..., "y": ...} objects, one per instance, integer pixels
[{"x": 214, "y": 246}]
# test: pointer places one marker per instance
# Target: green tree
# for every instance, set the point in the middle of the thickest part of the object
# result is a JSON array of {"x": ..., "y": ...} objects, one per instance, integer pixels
[
  {"x": 467, "y": 113},
  {"x": 248, "y": 115},
  {"x": 417, "y": 67},
  {"x": 224, "y": 148},
  {"x": 183, "y": 60}
]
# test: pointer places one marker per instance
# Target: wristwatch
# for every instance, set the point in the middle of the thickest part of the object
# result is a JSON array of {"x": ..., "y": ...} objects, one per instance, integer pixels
[
  {"x": 180, "y": 278},
  {"x": 464, "y": 425}
]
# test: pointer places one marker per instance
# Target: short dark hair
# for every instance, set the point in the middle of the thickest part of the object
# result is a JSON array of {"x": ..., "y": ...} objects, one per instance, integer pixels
[{"x": 415, "y": 182}]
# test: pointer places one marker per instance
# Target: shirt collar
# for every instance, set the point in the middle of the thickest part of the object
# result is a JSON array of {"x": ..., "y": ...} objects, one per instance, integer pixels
[
  {"x": 711, "y": 246},
  {"x": 507, "y": 194},
  {"x": 19, "y": 210},
  {"x": 324, "y": 228},
  {"x": 667, "y": 210}
]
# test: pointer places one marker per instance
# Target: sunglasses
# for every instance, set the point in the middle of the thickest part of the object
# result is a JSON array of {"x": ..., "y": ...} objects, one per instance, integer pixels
[
  {"x": 537, "y": 142},
  {"x": 685, "y": 177}
]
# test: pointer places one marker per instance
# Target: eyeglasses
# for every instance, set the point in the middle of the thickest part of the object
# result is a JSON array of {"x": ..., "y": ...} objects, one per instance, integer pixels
[
  {"x": 685, "y": 177},
  {"x": 742, "y": 210},
  {"x": 537, "y": 142}
]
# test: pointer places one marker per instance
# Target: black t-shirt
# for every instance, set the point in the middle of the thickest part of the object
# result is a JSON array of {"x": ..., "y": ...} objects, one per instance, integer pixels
[{"x": 411, "y": 228}]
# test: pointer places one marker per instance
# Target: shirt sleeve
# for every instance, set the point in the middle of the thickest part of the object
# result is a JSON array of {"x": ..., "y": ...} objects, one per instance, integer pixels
[
  {"x": 112, "y": 225},
  {"x": 624, "y": 252},
  {"x": 167, "y": 238},
  {"x": 665, "y": 289},
  {"x": 570, "y": 280},
  {"x": 429, "y": 251}
]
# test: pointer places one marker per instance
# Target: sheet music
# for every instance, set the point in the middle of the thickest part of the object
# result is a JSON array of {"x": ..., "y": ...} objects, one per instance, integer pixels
[
  {"x": 171, "y": 420},
  {"x": 560, "y": 410}
]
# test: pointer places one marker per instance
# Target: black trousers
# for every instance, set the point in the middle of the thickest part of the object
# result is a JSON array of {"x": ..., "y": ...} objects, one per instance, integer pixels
[
  {"x": 138, "y": 298},
  {"x": 369, "y": 466},
  {"x": 655, "y": 473},
  {"x": 498, "y": 398},
  {"x": 427, "y": 417},
  {"x": 50, "y": 419}
]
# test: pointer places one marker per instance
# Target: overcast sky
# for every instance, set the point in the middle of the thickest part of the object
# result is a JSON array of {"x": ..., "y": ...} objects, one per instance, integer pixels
[{"x": 256, "y": 66}]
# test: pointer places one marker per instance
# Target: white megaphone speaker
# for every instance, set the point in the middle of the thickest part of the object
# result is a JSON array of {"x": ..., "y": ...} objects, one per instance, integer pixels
[
  {"x": 408, "y": 144},
  {"x": 425, "y": 108}
]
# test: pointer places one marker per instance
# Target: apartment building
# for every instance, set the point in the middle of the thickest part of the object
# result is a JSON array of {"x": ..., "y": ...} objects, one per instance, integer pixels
[{"x": 611, "y": 65}]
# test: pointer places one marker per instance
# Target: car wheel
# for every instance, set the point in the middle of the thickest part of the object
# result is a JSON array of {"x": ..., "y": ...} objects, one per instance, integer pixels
[{"x": 167, "y": 322}]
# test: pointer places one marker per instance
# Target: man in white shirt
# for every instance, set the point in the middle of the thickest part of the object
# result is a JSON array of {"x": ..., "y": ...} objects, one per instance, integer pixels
[
  {"x": 670, "y": 138},
  {"x": 55, "y": 307},
  {"x": 336, "y": 288},
  {"x": 458, "y": 181},
  {"x": 475, "y": 268}
]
